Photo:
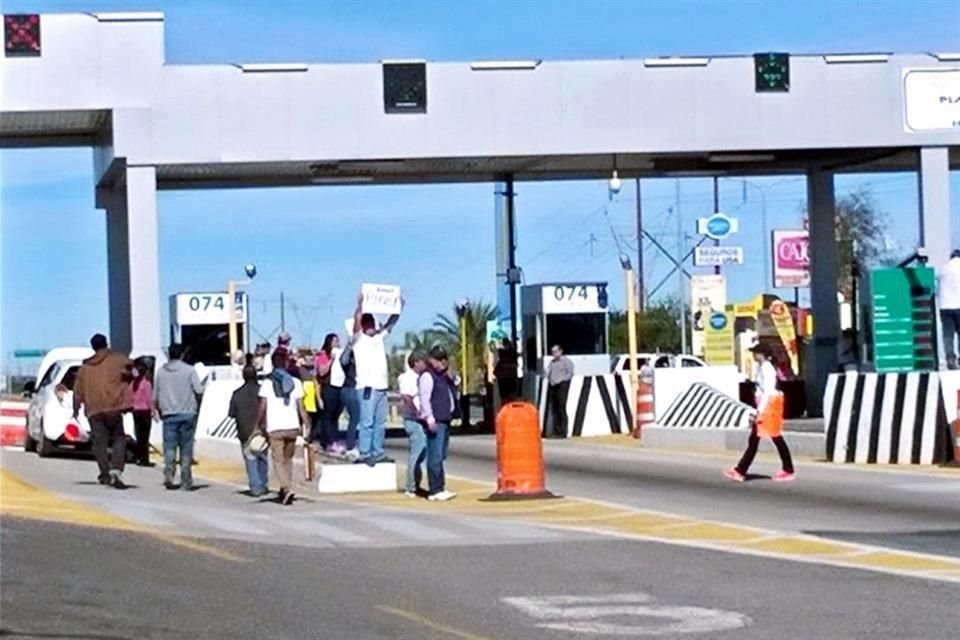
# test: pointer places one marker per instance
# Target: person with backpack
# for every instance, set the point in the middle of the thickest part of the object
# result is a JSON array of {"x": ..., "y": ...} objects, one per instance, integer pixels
[
  {"x": 245, "y": 410},
  {"x": 283, "y": 414},
  {"x": 768, "y": 422}
]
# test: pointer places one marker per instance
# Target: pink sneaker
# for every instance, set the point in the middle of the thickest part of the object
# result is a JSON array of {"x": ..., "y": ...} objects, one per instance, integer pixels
[
  {"x": 784, "y": 476},
  {"x": 733, "y": 474}
]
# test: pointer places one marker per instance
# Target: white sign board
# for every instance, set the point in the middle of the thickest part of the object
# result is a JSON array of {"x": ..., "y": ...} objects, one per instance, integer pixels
[
  {"x": 381, "y": 298},
  {"x": 708, "y": 293},
  {"x": 208, "y": 308},
  {"x": 571, "y": 298},
  {"x": 931, "y": 99},
  {"x": 717, "y": 256},
  {"x": 718, "y": 226}
]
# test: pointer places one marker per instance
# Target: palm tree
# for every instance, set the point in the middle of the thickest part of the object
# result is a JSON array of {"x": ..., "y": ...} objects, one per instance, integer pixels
[{"x": 447, "y": 328}]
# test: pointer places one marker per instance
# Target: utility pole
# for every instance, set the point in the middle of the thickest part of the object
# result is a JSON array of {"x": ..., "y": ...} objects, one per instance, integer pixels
[
  {"x": 283, "y": 314},
  {"x": 681, "y": 290},
  {"x": 641, "y": 292},
  {"x": 716, "y": 209},
  {"x": 592, "y": 240}
]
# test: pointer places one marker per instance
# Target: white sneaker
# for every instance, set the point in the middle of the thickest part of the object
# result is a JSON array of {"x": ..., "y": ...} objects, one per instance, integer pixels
[
  {"x": 411, "y": 494},
  {"x": 352, "y": 455},
  {"x": 443, "y": 496}
]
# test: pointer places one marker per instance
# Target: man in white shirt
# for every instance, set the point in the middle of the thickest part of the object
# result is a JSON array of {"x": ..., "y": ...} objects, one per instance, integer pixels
[
  {"x": 409, "y": 398},
  {"x": 283, "y": 414},
  {"x": 370, "y": 356},
  {"x": 948, "y": 299}
]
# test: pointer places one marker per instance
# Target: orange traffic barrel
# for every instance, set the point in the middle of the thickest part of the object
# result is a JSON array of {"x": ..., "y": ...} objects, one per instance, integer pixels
[
  {"x": 520, "y": 473},
  {"x": 645, "y": 410}
]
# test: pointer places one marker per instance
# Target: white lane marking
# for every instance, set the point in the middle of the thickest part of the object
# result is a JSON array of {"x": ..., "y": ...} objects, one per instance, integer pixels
[
  {"x": 224, "y": 521},
  {"x": 408, "y": 528},
  {"x": 315, "y": 528},
  {"x": 946, "y": 486},
  {"x": 610, "y": 615}
]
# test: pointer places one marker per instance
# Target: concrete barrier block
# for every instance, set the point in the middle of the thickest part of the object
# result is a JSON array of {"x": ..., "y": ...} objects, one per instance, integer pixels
[
  {"x": 807, "y": 445},
  {"x": 356, "y": 478}
]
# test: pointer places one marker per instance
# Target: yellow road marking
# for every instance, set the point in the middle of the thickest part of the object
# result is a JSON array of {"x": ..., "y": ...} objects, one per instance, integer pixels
[
  {"x": 904, "y": 561},
  {"x": 798, "y": 546},
  {"x": 430, "y": 624},
  {"x": 708, "y": 531},
  {"x": 23, "y": 500}
]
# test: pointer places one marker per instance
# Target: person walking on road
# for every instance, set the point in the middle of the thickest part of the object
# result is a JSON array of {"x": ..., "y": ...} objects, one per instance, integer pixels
[
  {"x": 768, "y": 422},
  {"x": 245, "y": 409},
  {"x": 948, "y": 300},
  {"x": 437, "y": 404},
  {"x": 176, "y": 390},
  {"x": 282, "y": 411},
  {"x": 142, "y": 412},
  {"x": 370, "y": 354},
  {"x": 103, "y": 390},
  {"x": 559, "y": 374},
  {"x": 410, "y": 400}
]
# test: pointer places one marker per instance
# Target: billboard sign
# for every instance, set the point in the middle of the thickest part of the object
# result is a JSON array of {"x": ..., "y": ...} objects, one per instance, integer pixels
[
  {"x": 791, "y": 258},
  {"x": 718, "y": 226},
  {"x": 717, "y": 256}
]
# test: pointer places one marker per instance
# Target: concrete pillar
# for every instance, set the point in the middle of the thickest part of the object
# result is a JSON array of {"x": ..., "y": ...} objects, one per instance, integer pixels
[
  {"x": 824, "y": 267},
  {"x": 132, "y": 261},
  {"x": 934, "y": 177}
]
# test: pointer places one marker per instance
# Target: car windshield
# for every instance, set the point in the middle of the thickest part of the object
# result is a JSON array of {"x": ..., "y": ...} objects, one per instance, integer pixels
[{"x": 70, "y": 377}]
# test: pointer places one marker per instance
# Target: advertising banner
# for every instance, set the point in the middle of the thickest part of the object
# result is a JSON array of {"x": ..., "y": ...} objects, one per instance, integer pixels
[
  {"x": 719, "y": 339},
  {"x": 791, "y": 258},
  {"x": 783, "y": 323},
  {"x": 708, "y": 294}
]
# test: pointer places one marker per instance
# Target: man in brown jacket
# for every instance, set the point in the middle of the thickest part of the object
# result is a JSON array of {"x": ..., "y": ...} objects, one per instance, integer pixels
[{"x": 103, "y": 390}]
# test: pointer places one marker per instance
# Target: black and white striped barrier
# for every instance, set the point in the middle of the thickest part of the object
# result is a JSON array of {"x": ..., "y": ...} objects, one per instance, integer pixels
[
  {"x": 890, "y": 418},
  {"x": 596, "y": 405},
  {"x": 702, "y": 406}
]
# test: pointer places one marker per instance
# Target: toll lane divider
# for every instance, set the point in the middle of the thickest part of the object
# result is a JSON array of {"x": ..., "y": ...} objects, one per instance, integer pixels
[
  {"x": 596, "y": 405},
  {"x": 615, "y": 520},
  {"x": 13, "y": 422},
  {"x": 890, "y": 418}
]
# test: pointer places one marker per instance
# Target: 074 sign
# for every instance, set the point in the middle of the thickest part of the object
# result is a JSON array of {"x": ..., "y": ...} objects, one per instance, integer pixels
[
  {"x": 563, "y": 292},
  {"x": 205, "y": 302}
]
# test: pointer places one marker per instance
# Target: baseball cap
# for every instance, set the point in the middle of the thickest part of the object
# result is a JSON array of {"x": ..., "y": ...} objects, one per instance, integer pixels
[{"x": 284, "y": 337}]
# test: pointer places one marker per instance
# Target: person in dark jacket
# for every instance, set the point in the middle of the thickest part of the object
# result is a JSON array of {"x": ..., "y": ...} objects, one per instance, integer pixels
[
  {"x": 104, "y": 392},
  {"x": 245, "y": 409},
  {"x": 437, "y": 405}
]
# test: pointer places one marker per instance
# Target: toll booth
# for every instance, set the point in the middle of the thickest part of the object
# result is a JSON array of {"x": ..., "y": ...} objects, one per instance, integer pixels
[
  {"x": 571, "y": 314},
  {"x": 199, "y": 321}
]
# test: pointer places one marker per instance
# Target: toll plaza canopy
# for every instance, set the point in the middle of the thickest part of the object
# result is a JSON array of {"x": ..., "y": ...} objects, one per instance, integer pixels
[{"x": 100, "y": 80}]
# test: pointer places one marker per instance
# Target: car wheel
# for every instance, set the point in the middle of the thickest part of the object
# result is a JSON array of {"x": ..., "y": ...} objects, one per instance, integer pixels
[
  {"x": 29, "y": 444},
  {"x": 45, "y": 446}
]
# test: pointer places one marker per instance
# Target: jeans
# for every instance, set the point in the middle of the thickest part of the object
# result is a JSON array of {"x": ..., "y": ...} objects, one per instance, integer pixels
[
  {"x": 107, "y": 431},
  {"x": 557, "y": 408},
  {"x": 330, "y": 415},
  {"x": 949, "y": 327},
  {"x": 436, "y": 446},
  {"x": 350, "y": 399},
  {"x": 178, "y": 432},
  {"x": 418, "y": 451},
  {"x": 372, "y": 430},
  {"x": 257, "y": 470},
  {"x": 751, "y": 452}
]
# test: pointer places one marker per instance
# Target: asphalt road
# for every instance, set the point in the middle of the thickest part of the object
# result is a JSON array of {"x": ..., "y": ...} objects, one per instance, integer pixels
[
  {"x": 904, "y": 508},
  {"x": 216, "y": 564}
]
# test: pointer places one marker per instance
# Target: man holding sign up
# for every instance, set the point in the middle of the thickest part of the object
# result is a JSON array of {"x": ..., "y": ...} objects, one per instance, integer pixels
[{"x": 370, "y": 356}]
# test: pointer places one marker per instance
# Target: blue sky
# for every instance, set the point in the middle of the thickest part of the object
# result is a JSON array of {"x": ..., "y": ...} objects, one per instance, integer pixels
[{"x": 309, "y": 242}]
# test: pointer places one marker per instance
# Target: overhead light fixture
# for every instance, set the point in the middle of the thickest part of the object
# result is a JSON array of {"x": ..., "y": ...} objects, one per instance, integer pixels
[
  {"x": 341, "y": 180},
  {"x": 856, "y": 58},
  {"x": 947, "y": 57},
  {"x": 128, "y": 16},
  {"x": 676, "y": 61},
  {"x": 505, "y": 65},
  {"x": 614, "y": 184},
  {"x": 741, "y": 157},
  {"x": 272, "y": 67}
]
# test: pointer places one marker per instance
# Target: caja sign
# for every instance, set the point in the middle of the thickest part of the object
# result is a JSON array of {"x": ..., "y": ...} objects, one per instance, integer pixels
[{"x": 791, "y": 258}]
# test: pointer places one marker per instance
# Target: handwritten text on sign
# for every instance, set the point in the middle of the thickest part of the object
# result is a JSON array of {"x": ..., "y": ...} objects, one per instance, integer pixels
[{"x": 381, "y": 298}]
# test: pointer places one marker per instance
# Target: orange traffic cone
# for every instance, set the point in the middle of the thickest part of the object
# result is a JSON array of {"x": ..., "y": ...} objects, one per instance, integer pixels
[{"x": 520, "y": 473}]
